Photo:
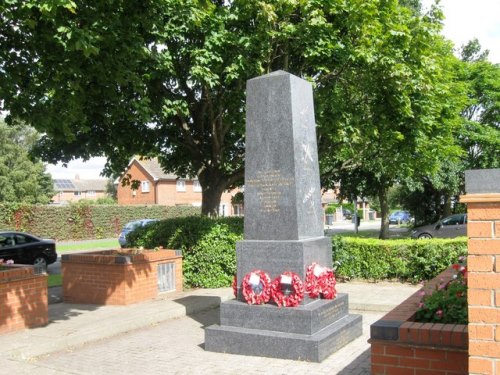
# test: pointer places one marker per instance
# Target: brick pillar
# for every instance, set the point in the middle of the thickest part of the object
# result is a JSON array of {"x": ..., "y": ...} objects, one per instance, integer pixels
[{"x": 483, "y": 229}]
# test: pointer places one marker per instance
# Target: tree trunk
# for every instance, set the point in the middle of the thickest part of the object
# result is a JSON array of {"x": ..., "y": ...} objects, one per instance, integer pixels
[
  {"x": 447, "y": 206},
  {"x": 213, "y": 185},
  {"x": 384, "y": 208}
]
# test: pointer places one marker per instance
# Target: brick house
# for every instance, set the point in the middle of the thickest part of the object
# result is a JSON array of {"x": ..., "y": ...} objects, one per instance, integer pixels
[
  {"x": 73, "y": 190},
  {"x": 158, "y": 187}
]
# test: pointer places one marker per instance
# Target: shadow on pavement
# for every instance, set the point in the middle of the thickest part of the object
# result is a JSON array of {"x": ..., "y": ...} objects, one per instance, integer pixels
[
  {"x": 359, "y": 366},
  {"x": 65, "y": 311},
  {"x": 197, "y": 305},
  {"x": 55, "y": 294}
]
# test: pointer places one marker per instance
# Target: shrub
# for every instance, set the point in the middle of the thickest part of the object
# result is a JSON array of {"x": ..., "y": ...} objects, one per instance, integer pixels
[
  {"x": 448, "y": 303},
  {"x": 208, "y": 246},
  {"x": 408, "y": 260}
]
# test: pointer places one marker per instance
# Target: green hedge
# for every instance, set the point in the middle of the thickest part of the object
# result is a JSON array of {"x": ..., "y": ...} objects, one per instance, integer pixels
[
  {"x": 409, "y": 260},
  {"x": 208, "y": 247},
  {"x": 81, "y": 221}
]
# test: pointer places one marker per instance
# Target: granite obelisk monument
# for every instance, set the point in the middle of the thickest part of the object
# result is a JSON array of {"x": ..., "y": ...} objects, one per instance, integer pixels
[{"x": 283, "y": 230}]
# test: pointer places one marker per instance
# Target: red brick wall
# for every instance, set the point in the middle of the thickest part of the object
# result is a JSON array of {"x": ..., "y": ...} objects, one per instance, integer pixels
[
  {"x": 401, "y": 346},
  {"x": 165, "y": 192},
  {"x": 126, "y": 195},
  {"x": 23, "y": 299},
  {"x": 97, "y": 279},
  {"x": 483, "y": 230}
]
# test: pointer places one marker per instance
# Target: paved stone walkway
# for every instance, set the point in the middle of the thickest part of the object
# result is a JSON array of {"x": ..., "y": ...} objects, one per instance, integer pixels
[
  {"x": 176, "y": 347},
  {"x": 166, "y": 336}
]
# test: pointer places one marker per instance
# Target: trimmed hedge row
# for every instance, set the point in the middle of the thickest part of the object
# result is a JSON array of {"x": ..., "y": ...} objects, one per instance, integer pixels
[
  {"x": 208, "y": 246},
  {"x": 81, "y": 221},
  {"x": 209, "y": 250},
  {"x": 407, "y": 260}
]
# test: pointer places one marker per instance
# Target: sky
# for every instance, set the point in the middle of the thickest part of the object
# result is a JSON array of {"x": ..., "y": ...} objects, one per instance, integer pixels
[{"x": 464, "y": 20}]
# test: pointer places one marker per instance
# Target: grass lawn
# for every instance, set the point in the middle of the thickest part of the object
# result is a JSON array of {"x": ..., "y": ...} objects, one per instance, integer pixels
[
  {"x": 55, "y": 280},
  {"x": 88, "y": 245}
]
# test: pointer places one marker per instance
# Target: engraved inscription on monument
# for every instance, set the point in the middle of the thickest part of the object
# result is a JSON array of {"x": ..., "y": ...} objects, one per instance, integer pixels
[{"x": 269, "y": 185}]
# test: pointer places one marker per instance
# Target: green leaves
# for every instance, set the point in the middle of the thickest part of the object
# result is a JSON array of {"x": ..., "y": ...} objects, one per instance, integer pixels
[
  {"x": 22, "y": 180},
  {"x": 408, "y": 260}
]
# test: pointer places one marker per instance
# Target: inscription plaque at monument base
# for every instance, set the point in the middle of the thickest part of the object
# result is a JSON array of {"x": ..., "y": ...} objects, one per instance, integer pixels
[
  {"x": 283, "y": 231},
  {"x": 308, "y": 332}
]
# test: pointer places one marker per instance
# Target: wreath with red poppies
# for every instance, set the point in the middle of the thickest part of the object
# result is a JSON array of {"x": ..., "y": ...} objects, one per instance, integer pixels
[
  {"x": 287, "y": 290},
  {"x": 320, "y": 281},
  {"x": 256, "y": 287}
]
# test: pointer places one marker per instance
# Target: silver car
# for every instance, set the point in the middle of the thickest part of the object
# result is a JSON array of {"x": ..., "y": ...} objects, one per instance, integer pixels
[
  {"x": 129, "y": 227},
  {"x": 449, "y": 227}
]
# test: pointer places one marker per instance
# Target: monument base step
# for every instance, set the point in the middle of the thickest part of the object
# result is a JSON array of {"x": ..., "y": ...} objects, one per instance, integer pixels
[{"x": 274, "y": 344}]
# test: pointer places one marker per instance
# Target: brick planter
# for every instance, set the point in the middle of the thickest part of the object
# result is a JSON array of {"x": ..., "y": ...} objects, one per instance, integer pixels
[
  {"x": 401, "y": 346},
  {"x": 23, "y": 298},
  {"x": 122, "y": 277}
]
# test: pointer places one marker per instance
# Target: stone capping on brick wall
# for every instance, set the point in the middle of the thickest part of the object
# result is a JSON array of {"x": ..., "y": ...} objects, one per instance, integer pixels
[
  {"x": 480, "y": 198},
  {"x": 123, "y": 256},
  {"x": 399, "y": 325},
  {"x": 13, "y": 272}
]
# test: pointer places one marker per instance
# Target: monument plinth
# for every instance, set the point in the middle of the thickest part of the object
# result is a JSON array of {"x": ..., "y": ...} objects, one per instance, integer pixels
[{"x": 283, "y": 230}]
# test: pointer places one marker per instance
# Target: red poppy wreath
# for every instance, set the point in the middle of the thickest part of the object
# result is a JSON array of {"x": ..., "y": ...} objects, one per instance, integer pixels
[
  {"x": 287, "y": 290},
  {"x": 320, "y": 281},
  {"x": 256, "y": 287}
]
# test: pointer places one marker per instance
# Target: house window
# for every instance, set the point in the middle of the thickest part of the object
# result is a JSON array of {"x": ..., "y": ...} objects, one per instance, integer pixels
[
  {"x": 238, "y": 210},
  {"x": 196, "y": 186},
  {"x": 91, "y": 193},
  {"x": 145, "y": 186},
  {"x": 77, "y": 193},
  {"x": 181, "y": 185}
]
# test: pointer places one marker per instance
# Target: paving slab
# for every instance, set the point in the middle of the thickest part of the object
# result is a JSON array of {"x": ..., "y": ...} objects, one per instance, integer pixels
[{"x": 166, "y": 335}]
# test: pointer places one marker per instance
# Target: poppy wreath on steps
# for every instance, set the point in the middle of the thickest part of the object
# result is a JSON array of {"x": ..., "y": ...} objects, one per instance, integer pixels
[
  {"x": 256, "y": 287},
  {"x": 287, "y": 290},
  {"x": 320, "y": 281}
]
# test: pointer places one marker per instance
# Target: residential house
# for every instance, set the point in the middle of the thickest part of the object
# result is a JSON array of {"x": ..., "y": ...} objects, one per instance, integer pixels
[
  {"x": 73, "y": 190},
  {"x": 158, "y": 187}
]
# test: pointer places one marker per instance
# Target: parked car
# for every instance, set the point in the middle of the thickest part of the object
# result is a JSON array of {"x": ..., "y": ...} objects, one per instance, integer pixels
[
  {"x": 451, "y": 226},
  {"x": 400, "y": 217},
  {"x": 347, "y": 214},
  {"x": 129, "y": 227},
  {"x": 25, "y": 248}
]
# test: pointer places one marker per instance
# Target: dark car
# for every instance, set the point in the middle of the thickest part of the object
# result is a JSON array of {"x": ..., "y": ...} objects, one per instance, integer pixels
[
  {"x": 129, "y": 227},
  {"x": 347, "y": 214},
  {"x": 400, "y": 217},
  {"x": 25, "y": 248},
  {"x": 449, "y": 227}
]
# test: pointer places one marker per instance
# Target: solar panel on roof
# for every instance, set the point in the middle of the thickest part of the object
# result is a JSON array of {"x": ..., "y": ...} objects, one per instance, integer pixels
[{"x": 64, "y": 184}]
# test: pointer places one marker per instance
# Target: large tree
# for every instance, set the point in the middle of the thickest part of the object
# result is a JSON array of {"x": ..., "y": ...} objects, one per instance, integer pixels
[
  {"x": 22, "y": 180},
  {"x": 395, "y": 111},
  {"x": 480, "y": 132},
  {"x": 478, "y": 136},
  {"x": 167, "y": 78}
]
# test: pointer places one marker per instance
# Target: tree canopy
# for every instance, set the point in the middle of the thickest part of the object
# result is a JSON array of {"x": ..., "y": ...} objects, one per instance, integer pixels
[
  {"x": 22, "y": 180},
  {"x": 167, "y": 78}
]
